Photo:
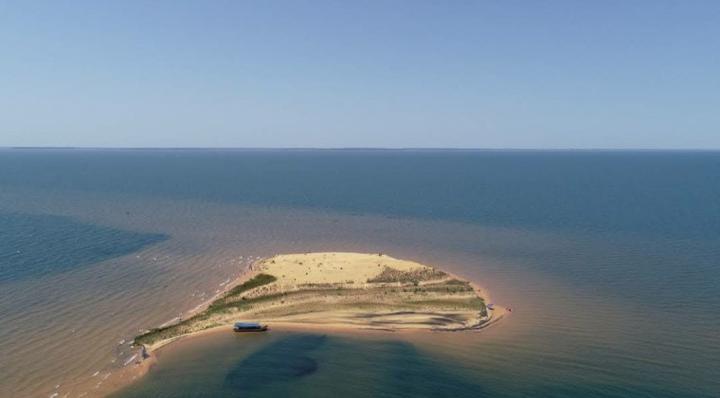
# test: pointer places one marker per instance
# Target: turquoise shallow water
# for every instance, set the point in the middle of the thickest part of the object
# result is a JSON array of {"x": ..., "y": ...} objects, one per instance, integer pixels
[{"x": 611, "y": 261}]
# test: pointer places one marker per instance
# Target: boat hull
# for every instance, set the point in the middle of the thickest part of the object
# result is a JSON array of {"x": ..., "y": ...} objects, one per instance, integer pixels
[{"x": 250, "y": 330}]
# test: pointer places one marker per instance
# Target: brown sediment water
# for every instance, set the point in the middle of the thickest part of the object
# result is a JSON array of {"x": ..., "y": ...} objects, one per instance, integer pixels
[{"x": 79, "y": 340}]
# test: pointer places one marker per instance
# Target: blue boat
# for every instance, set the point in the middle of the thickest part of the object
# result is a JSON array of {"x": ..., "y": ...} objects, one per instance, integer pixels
[{"x": 249, "y": 327}]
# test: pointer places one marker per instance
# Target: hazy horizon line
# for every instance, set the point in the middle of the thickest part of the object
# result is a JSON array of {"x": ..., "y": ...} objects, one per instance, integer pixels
[{"x": 310, "y": 148}]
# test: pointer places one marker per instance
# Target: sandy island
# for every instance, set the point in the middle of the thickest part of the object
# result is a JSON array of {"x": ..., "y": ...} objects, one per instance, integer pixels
[
  {"x": 341, "y": 292},
  {"x": 337, "y": 290}
]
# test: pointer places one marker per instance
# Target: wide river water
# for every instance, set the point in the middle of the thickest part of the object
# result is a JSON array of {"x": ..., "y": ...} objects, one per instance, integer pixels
[{"x": 610, "y": 261}]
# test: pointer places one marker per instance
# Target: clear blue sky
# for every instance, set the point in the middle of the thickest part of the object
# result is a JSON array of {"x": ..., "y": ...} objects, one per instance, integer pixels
[{"x": 483, "y": 74}]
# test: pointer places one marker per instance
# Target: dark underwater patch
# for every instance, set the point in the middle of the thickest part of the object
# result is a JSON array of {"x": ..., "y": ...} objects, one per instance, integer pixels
[
  {"x": 412, "y": 374},
  {"x": 283, "y": 361},
  {"x": 32, "y": 245}
]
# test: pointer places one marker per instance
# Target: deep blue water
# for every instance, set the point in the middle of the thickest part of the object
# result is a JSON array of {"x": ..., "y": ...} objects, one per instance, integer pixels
[
  {"x": 34, "y": 245},
  {"x": 629, "y": 242},
  {"x": 652, "y": 192}
]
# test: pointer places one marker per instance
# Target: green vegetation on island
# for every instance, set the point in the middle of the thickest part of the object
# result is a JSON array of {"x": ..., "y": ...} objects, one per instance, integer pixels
[{"x": 231, "y": 299}]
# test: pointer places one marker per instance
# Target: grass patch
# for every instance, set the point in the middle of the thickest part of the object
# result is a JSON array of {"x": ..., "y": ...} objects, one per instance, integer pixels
[
  {"x": 392, "y": 275},
  {"x": 452, "y": 286},
  {"x": 220, "y": 305},
  {"x": 473, "y": 303},
  {"x": 234, "y": 293}
]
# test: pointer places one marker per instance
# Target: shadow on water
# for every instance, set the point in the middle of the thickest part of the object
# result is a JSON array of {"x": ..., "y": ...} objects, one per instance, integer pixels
[
  {"x": 311, "y": 365},
  {"x": 33, "y": 245},
  {"x": 282, "y": 362}
]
